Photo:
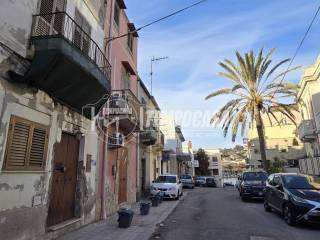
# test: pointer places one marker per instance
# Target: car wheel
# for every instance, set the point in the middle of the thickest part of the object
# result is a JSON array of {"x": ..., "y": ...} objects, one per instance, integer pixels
[
  {"x": 178, "y": 196},
  {"x": 288, "y": 215},
  {"x": 243, "y": 198},
  {"x": 267, "y": 208}
]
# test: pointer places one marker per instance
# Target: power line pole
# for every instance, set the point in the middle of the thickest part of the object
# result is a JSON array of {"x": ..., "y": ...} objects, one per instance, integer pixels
[{"x": 154, "y": 59}]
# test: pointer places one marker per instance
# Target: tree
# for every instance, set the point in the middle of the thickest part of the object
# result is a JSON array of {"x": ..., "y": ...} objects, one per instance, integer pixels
[
  {"x": 256, "y": 90},
  {"x": 277, "y": 166},
  {"x": 203, "y": 158}
]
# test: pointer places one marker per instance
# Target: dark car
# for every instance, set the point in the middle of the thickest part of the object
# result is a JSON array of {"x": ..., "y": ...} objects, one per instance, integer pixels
[
  {"x": 295, "y": 196},
  {"x": 252, "y": 184},
  {"x": 210, "y": 182}
]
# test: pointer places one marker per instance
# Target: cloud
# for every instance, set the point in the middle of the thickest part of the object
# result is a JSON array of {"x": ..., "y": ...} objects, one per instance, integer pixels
[{"x": 197, "y": 40}]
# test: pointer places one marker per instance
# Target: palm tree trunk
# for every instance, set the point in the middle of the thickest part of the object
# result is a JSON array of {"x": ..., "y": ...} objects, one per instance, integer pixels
[{"x": 262, "y": 143}]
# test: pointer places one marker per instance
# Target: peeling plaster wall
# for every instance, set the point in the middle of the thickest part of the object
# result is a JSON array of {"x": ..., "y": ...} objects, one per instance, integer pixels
[
  {"x": 15, "y": 31},
  {"x": 27, "y": 193}
]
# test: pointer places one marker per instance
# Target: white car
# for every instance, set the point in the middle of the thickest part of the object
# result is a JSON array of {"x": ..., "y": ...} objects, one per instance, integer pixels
[{"x": 169, "y": 186}]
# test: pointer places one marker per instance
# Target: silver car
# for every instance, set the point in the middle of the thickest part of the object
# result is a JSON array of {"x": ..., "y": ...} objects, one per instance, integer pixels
[{"x": 187, "y": 181}]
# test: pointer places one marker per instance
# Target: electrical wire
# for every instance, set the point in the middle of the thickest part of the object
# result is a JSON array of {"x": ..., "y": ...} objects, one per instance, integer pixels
[
  {"x": 297, "y": 50},
  {"x": 156, "y": 21}
]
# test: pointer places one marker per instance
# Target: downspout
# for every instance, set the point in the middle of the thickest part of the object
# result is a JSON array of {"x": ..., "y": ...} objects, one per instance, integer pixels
[
  {"x": 105, "y": 130},
  {"x": 138, "y": 149}
]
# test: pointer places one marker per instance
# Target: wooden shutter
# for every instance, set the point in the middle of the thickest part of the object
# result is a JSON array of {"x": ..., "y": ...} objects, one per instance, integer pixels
[{"x": 26, "y": 146}]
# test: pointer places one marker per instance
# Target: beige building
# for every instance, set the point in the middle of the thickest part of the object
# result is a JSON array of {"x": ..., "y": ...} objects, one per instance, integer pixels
[
  {"x": 309, "y": 104},
  {"x": 215, "y": 164},
  {"x": 151, "y": 140},
  {"x": 281, "y": 140}
]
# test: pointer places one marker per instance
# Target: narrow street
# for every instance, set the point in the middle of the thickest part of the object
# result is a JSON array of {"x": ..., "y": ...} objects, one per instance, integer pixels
[{"x": 216, "y": 213}]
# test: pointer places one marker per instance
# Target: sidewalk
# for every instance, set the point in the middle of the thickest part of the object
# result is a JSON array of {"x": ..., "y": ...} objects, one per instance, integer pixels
[{"x": 141, "y": 228}]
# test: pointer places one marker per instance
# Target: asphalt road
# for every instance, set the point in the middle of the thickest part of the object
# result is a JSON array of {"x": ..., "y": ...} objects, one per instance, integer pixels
[{"x": 216, "y": 213}]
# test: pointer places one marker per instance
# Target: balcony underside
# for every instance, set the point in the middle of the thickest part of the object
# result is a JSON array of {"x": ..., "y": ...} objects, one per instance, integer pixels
[{"x": 67, "y": 75}]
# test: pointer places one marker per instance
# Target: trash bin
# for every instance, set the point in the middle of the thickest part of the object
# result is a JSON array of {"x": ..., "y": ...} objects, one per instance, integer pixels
[
  {"x": 125, "y": 217},
  {"x": 155, "y": 201},
  {"x": 144, "y": 208}
]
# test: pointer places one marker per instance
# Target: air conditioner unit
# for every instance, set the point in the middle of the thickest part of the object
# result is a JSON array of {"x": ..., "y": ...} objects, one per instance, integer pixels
[
  {"x": 117, "y": 101},
  {"x": 116, "y": 140}
]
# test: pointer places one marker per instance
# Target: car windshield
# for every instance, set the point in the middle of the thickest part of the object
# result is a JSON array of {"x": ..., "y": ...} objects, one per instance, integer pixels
[
  {"x": 186, "y": 177},
  {"x": 166, "y": 179},
  {"x": 301, "y": 182},
  {"x": 255, "y": 176}
]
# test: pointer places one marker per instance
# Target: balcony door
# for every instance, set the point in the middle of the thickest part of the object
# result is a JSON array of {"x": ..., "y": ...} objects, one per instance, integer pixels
[
  {"x": 52, "y": 17},
  {"x": 82, "y": 32}
]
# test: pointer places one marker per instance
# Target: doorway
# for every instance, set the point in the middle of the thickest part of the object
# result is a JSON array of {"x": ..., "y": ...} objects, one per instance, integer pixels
[
  {"x": 123, "y": 163},
  {"x": 64, "y": 178}
]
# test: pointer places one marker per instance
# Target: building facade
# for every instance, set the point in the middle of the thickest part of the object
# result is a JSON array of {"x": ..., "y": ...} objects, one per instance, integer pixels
[
  {"x": 54, "y": 78},
  {"x": 308, "y": 130},
  {"x": 215, "y": 164},
  {"x": 151, "y": 141},
  {"x": 282, "y": 142},
  {"x": 171, "y": 162},
  {"x": 121, "y": 116}
]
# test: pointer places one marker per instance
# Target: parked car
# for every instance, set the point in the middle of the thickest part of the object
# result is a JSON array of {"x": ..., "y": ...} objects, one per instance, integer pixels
[
  {"x": 228, "y": 184},
  {"x": 200, "y": 181},
  {"x": 187, "y": 181},
  {"x": 169, "y": 185},
  {"x": 210, "y": 182},
  {"x": 295, "y": 196},
  {"x": 252, "y": 184}
]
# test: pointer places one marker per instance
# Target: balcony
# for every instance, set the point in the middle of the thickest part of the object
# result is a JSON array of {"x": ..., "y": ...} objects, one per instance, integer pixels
[
  {"x": 124, "y": 107},
  {"x": 307, "y": 131},
  {"x": 148, "y": 137},
  {"x": 159, "y": 144},
  {"x": 68, "y": 64}
]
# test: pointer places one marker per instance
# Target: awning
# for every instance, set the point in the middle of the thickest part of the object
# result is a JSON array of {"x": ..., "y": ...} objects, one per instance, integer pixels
[{"x": 184, "y": 157}]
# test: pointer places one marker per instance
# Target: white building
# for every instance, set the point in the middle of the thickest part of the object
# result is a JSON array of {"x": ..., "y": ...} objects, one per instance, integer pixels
[{"x": 172, "y": 156}]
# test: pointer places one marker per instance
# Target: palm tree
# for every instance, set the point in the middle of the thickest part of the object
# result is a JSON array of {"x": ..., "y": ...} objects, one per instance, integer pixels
[{"x": 256, "y": 90}]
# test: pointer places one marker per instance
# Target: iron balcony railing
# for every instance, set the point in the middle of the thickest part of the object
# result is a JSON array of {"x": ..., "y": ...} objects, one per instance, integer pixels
[
  {"x": 124, "y": 102},
  {"x": 60, "y": 24},
  {"x": 307, "y": 130}
]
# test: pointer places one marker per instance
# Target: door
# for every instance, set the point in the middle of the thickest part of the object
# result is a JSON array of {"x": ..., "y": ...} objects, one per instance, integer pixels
[
  {"x": 143, "y": 175},
  {"x": 122, "y": 194},
  {"x": 62, "y": 196}
]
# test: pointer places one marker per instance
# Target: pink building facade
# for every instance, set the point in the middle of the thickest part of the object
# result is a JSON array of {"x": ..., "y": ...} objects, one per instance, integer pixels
[{"x": 117, "y": 178}]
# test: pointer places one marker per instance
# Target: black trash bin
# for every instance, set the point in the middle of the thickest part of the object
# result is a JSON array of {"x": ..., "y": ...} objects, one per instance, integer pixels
[
  {"x": 144, "y": 208},
  {"x": 125, "y": 217},
  {"x": 155, "y": 201}
]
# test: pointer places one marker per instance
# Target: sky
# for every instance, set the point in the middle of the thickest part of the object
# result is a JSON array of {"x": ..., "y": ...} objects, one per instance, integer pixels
[{"x": 196, "y": 40}]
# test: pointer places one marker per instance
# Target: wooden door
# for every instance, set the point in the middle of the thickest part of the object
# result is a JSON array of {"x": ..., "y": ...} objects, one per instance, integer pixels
[
  {"x": 62, "y": 196},
  {"x": 122, "y": 194}
]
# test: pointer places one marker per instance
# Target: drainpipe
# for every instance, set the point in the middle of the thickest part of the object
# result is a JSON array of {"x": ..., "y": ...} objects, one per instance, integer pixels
[{"x": 138, "y": 149}]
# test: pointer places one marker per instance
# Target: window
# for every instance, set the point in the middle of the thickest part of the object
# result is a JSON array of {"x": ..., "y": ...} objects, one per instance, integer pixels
[
  {"x": 126, "y": 79},
  {"x": 130, "y": 41},
  {"x": 116, "y": 13},
  {"x": 82, "y": 32},
  {"x": 51, "y": 23},
  {"x": 26, "y": 146}
]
